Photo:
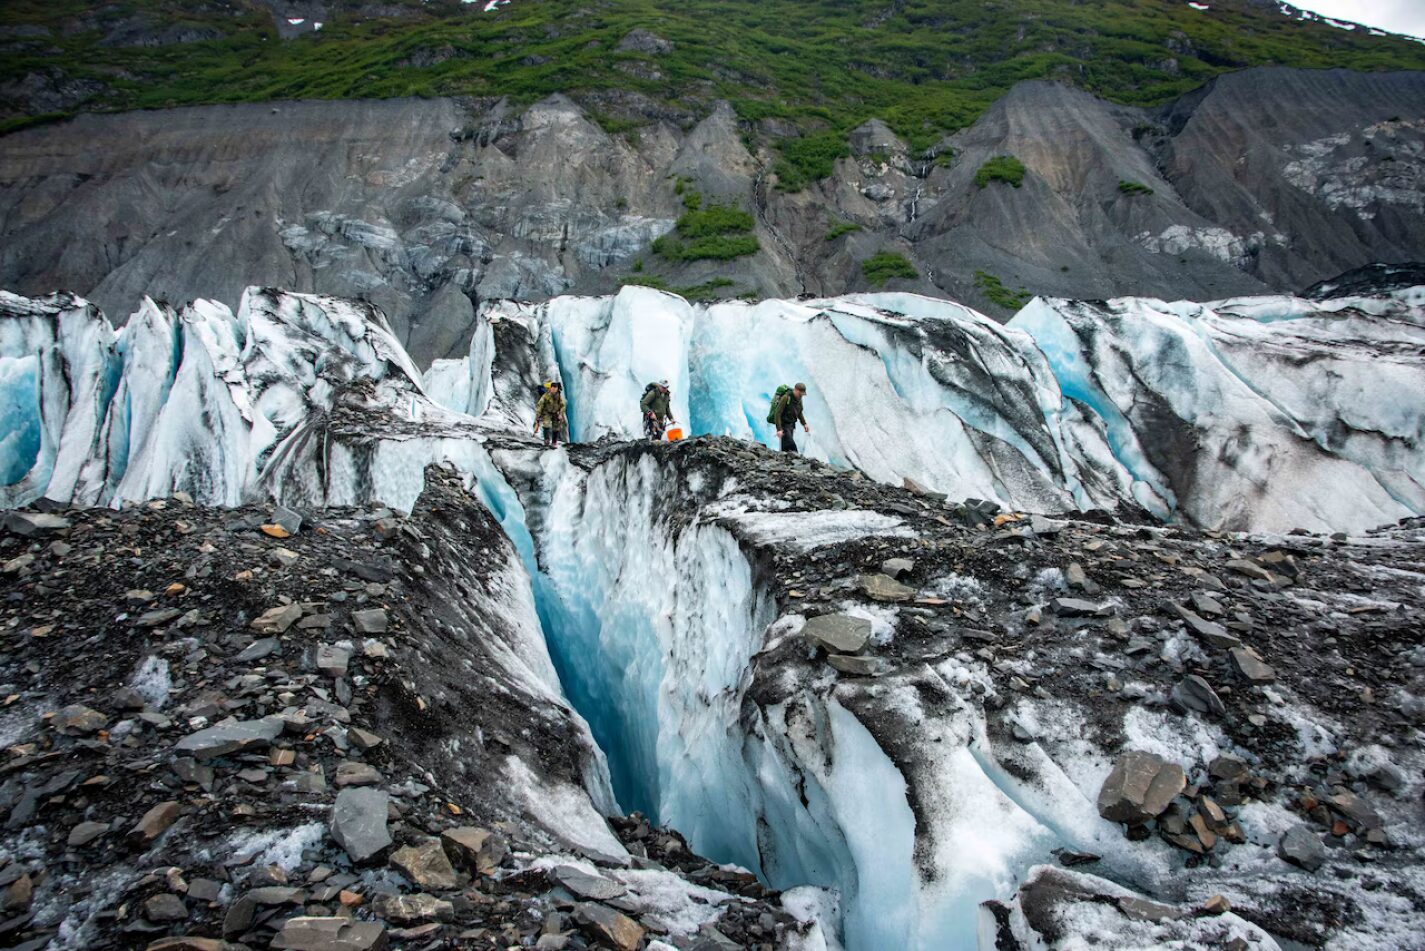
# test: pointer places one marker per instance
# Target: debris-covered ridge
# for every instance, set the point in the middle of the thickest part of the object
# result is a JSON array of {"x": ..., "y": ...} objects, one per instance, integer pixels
[
  {"x": 332, "y": 732},
  {"x": 1010, "y": 669}
]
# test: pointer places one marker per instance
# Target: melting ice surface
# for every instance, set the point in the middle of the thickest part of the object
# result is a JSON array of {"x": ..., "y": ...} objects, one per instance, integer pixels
[{"x": 1262, "y": 414}]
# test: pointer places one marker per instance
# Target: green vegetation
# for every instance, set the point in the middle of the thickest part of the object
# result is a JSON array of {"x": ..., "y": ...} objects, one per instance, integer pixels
[
  {"x": 994, "y": 289},
  {"x": 1001, "y": 168},
  {"x": 1134, "y": 188},
  {"x": 808, "y": 159},
  {"x": 698, "y": 292},
  {"x": 819, "y": 67},
  {"x": 884, "y": 265},
  {"x": 840, "y": 228},
  {"x": 711, "y": 233}
]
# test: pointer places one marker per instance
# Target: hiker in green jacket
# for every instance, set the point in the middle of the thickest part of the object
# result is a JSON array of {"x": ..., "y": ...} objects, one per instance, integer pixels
[
  {"x": 787, "y": 412},
  {"x": 549, "y": 414},
  {"x": 657, "y": 411}
]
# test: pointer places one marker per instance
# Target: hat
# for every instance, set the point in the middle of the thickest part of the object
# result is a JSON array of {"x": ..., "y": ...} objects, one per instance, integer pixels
[
  {"x": 802, "y": 387},
  {"x": 663, "y": 383}
]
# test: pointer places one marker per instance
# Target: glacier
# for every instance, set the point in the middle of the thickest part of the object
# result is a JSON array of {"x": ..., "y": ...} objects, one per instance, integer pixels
[{"x": 652, "y": 580}]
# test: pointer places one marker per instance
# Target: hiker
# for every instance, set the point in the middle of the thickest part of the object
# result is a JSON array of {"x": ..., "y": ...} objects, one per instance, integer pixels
[
  {"x": 787, "y": 412},
  {"x": 549, "y": 414},
  {"x": 657, "y": 413}
]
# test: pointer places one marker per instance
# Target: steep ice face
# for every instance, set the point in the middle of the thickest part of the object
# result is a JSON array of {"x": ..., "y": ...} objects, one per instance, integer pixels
[
  {"x": 1259, "y": 414},
  {"x": 58, "y": 370},
  {"x": 1217, "y": 413}
]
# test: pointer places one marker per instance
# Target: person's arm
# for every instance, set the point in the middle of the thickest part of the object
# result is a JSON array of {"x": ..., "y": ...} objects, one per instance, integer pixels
[
  {"x": 801, "y": 414},
  {"x": 646, "y": 404}
]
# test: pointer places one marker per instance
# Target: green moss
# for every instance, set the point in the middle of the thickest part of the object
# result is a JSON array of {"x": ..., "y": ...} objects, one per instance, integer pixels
[
  {"x": 1134, "y": 188},
  {"x": 1001, "y": 168},
  {"x": 884, "y": 265},
  {"x": 993, "y": 288},
  {"x": 841, "y": 227}
]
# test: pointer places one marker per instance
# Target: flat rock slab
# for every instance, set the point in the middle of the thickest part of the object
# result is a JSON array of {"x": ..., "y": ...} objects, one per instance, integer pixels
[
  {"x": 426, "y": 864},
  {"x": 1251, "y": 667},
  {"x": 879, "y": 587},
  {"x": 331, "y": 934},
  {"x": 837, "y": 633},
  {"x": 1140, "y": 787},
  {"x": 1302, "y": 848},
  {"x": 617, "y": 929},
  {"x": 1078, "y": 607},
  {"x": 473, "y": 848},
  {"x": 584, "y": 885},
  {"x": 358, "y": 822},
  {"x": 857, "y": 666},
  {"x": 229, "y": 738}
]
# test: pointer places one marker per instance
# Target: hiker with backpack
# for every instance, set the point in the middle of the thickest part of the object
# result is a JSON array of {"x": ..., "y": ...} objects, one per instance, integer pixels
[
  {"x": 787, "y": 412},
  {"x": 549, "y": 414},
  {"x": 657, "y": 411}
]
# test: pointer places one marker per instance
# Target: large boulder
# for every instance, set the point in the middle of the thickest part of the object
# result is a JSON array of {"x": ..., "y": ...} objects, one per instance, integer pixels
[
  {"x": 1140, "y": 787},
  {"x": 358, "y": 821},
  {"x": 837, "y": 633}
]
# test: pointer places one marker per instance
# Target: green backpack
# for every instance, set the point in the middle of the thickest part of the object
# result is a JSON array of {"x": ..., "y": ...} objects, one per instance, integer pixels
[{"x": 777, "y": 398}]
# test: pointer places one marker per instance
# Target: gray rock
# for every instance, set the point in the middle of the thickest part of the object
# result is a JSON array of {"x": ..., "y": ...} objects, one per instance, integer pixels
[
  {"x": 31, "y": 524},
  {"x": 1195, "y": 693},
  {"x": 857, "y": 666},
  {"x": 413, "y": 909},
  {"x": 1076, "y": 607},
  {"x": 288, "y": 519},
  {"x": 605, "y": 924},
  {"x": 1302, "y": 847},
  {"x": 837, "y": 633},
  {"x": 1251, "y": 667},
  {"x": 155, "y": 822},
  {"x": 897, "y": 568},
  {"x": 258, "y": 649},
  {"x": 85, "y": 832},
  {"x": 283, "y": 557},
  {"x": 331, "y": 934},
  {"x": 358, "y": 822},
  {"x": 1210, "y": 631},
  {"x": 276, "y": 620},
  {"x": 351, "y": 773},
  {"x": 1140, "y": 787},
  {"x": 426, "y": 864},
  {"x": 165, "y": 907},
  {"x": 77, "y": 719},
  {"x": 475, "y": 849},
  {"x": 879, "y": 587},
  {"x": 584, "y": 885},
  {"x": 332, "y": 660},
  {"x": 239, "y": 737},
  {"x": 1044, "y": 527},
  {"x": 370, "y": 621},
  {"x": 363, "y": 739}
]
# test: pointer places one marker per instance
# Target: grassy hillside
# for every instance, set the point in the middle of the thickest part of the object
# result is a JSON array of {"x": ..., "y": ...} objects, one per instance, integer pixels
[{"x": 812, "y": 68}]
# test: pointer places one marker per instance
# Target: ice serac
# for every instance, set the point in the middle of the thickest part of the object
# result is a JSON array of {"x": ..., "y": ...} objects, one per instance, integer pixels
[
  {"x": 1304, "y": 420},
  {"x": 1250, "y": 414}
]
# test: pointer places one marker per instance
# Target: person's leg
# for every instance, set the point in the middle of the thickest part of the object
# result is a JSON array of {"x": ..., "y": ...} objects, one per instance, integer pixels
[{"x": 789, "y": 442}]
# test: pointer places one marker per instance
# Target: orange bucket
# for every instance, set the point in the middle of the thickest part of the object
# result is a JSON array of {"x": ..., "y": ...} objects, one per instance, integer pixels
[{"x": 675, "y": 433}]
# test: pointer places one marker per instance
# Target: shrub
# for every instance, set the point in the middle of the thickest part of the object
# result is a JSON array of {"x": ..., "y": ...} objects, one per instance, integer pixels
[
  {"x": 884, "y": 265},
  {"x": 1134, "y": 188},
  {"x": 711, "y": 233},
  {"x": 808, "y": 159},
  {"x": 1001, "y": 168},
  {"x": 994, "y": 289},
  {"x": 840, "y": 228}
]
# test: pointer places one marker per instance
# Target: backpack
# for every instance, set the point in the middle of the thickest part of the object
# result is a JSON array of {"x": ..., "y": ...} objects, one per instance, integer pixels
[{"x": 776, "y": 398}]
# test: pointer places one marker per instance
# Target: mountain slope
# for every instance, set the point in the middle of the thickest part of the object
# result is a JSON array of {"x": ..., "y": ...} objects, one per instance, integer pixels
[
  {"x": 924, "y": 66},
  {"x": 430, "y": 207}
]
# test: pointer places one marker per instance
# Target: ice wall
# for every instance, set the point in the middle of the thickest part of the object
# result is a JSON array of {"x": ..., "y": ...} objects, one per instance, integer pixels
[
  {"x": 1264, "y": 414},
  {"x": 1260, "y": 414}
]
